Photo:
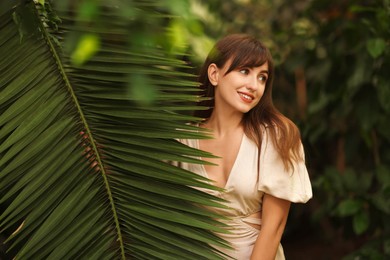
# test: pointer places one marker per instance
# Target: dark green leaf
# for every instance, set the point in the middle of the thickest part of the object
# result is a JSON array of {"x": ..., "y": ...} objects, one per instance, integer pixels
[
  {"x": 376, "y": 47},
  {"x": 349, "y": 207},
  {"x": 361, "y": 222}
]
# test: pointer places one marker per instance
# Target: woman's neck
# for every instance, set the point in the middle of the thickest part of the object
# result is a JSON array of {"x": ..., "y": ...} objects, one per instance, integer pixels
[{"x": 223, "y": 123}]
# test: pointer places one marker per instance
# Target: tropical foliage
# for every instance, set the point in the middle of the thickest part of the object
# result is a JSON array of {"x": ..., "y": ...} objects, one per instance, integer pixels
[
  {"x": 85, "y": 133},
  {"x": 332, "y": 80}
]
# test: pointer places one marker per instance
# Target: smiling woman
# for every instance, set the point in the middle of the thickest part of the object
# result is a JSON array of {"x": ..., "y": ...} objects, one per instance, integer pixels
[
  {"x": 247, "y": 84},
  {"x": 260, "y": 165}
]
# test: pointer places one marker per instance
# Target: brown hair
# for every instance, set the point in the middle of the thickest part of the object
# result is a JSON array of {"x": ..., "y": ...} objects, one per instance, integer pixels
[{"x": 246, "y": 51}]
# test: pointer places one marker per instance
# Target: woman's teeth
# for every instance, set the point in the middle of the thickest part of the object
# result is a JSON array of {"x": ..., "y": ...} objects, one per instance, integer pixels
[{"x": 246, "y": 96}]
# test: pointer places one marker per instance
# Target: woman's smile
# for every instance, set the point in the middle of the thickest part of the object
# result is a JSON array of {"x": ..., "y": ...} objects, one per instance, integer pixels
[{"x": 246, "y": 97}]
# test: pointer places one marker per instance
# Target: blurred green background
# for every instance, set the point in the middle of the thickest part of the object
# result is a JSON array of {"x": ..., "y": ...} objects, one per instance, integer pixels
[{"x": 332, "y": 79}]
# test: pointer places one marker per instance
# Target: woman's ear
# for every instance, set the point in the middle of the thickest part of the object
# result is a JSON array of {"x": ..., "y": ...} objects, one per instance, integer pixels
[{"x": 213, "y": 74}]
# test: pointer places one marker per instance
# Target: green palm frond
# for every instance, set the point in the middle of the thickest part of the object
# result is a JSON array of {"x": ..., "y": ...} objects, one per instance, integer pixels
[{"x": 83, "y": 172}]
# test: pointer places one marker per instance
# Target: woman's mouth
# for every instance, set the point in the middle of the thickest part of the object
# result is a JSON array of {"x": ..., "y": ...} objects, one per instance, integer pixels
[{"x": 246, "y": 97}]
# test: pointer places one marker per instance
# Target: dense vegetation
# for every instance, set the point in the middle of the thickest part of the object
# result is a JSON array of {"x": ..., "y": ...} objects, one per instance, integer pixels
[{"x": 332, "y": 79}]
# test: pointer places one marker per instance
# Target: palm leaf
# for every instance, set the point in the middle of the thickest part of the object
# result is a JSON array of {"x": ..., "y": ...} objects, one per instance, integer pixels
[{"x": 83, "y": 170}]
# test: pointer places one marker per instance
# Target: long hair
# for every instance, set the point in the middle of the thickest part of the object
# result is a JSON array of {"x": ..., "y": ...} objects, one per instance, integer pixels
[{"x": 245, "y": 51}]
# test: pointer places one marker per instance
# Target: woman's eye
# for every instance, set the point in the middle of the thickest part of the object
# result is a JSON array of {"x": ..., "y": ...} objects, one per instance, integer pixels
[
  {"x": 244, "y": 71},
  {"x": 263, "y": 78}
]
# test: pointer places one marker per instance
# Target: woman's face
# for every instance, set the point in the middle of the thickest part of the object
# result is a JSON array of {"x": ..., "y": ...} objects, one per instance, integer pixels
[{"x": 241, "y": 89}]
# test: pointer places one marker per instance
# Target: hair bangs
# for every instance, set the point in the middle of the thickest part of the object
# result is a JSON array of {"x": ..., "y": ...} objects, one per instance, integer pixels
[{"x": 251, "y": 55}]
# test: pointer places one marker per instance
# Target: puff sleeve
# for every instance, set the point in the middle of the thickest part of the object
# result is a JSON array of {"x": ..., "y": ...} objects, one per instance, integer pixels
[{"x": 292, "y": 185}]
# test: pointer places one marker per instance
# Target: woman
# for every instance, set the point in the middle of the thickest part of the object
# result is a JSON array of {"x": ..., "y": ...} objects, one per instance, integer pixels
[{"x": 261, "y": 162}]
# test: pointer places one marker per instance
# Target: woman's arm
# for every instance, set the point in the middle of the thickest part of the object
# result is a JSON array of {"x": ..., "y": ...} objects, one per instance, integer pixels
[{"x": 274, "y": 218}]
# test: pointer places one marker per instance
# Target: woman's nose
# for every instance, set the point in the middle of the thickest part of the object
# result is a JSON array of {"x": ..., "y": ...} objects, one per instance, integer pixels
[{"x": 252, "y": 84}]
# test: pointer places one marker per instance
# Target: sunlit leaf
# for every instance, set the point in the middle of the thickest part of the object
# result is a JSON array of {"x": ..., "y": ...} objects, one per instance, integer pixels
[
  {"x": 87, "y": 46},
  {"x": 177, "y": 35}
]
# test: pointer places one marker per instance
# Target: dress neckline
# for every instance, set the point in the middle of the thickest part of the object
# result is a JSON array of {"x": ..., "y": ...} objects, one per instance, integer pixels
[{"x": 232, "y": 170}]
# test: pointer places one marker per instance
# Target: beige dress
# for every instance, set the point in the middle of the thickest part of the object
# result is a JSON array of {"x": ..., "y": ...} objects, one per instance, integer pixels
[{"x": 245, "y": 187}]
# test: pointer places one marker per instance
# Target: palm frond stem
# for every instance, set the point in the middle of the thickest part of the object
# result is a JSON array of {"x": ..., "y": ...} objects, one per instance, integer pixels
[{"x": 92, "y": 142}]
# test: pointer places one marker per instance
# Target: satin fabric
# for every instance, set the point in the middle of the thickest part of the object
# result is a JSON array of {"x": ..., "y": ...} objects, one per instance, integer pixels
[{"x": 249, "y": 179}]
